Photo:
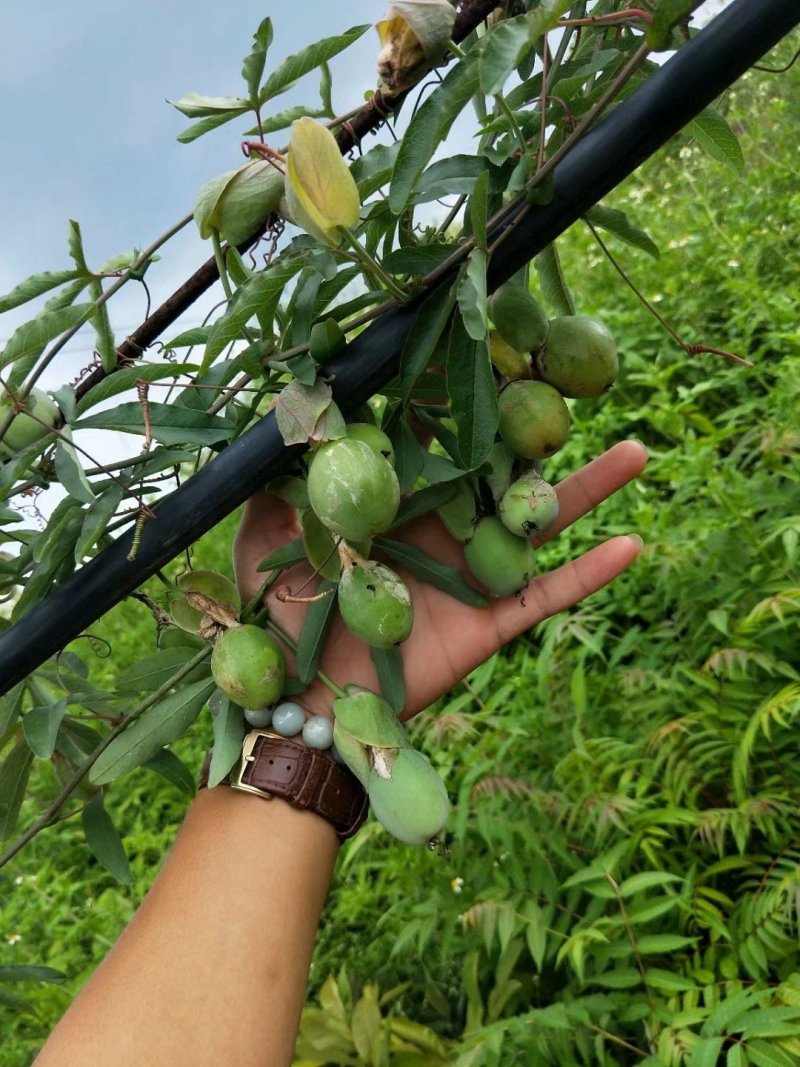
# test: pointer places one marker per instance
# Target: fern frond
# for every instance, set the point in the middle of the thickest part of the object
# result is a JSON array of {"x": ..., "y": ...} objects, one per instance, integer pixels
[{"x": 778, "y": 710}]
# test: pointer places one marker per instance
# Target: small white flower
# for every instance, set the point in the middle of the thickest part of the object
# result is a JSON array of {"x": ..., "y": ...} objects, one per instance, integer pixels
[
  {"x": 457, "y": 885},
  {"x": 13, "y": 938},
  {"x": 19, "y": 880}
]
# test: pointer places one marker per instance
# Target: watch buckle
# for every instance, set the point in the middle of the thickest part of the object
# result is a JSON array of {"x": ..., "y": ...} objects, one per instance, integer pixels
[{"x": 247, "y": 758}]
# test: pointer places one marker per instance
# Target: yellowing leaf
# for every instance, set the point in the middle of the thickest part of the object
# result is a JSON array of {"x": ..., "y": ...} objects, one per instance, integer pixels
[{"x": 320, "y": 191}]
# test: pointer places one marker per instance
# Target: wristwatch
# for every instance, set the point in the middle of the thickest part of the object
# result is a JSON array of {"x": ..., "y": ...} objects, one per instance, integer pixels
[{"x": 275, "y": 766}]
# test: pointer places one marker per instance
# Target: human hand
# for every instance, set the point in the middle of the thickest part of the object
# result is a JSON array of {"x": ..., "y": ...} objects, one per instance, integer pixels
[{"x": 449, "y": 638}]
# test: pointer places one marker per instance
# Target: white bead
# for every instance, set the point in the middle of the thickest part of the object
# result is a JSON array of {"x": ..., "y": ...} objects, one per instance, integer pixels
[
  {"x": 288, "y": 719},
  {"x": 318, "y": 732},
  {"x": 258, "y": 717}
]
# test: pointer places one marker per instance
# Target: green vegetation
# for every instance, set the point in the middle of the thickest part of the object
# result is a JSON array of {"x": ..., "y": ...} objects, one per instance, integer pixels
[{"x": 620, "y": 882}]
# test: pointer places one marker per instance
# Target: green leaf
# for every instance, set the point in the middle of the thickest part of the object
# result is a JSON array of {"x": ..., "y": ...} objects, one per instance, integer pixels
[
  {"x": 152, "y": 672},
  {"x": 311, "y": 643},
  {"x": 429, "y": 127},
  {"x": 622, "y": 978},
  {"x": 706, "y": 1053},
  {"x": 555, "y": 290},
  {"x": 70, "y": 471},
  {"x": 261, "y": 294},
  {"x": 473, "y": 398},
  {"x": 656, "y": 944},
  {"x": 409, "y": 455},
  {"x": 478, "y": 212},
  {"x": 253, "y": 64},
  {"x": 618, "y": 223},
  {"x": 736, "y": 1057},
  {"x": 423, "y": 337},
  {"x": 96, "y": 519},
  {"x": 212, "y": 122},
  {"x": 41, "y": 726},
  {"x": 509, "y": 42},
  {"x": 167, "y": 764},
  {"x": 10, "y": 707},
  {"x": 171, "y": 424},
  {"x": 454, "y": 175},
  {"x": 389, "y": 668},
  {"x": 714, "y": 135},
  {"x": 14, "y": 773},
  {"x": 196, "y": 106},
  {"x": 160, "y": 725},
  {"x": 423, "y": 501},
  {"x": 471, "y": 296},
  {"x": 229, "y": 728},
  {"x": 637, "y": 883},
  {"x": 35, "y": 285},
  {"x": 769, "y": 1022},
  {"x": 764, "y": 1054},
  {"x": 416, "y": 259},
  {"x": 28, "y": 341},
  {"x": 284, "y": 557},
  {"x": 104, "y": 840},
  {"x": 106, "y": 346},
  {"x": 439, "y": 575},
  {"x": 126, "y": 378},
  {"x": 30, "y": 972},
  {"x": 283, "y": 119},
  {"x": 665, "y": 16},
  {"x": 295, "y": 66},
  {"x": 668, "y": 981},
  {"x": 75, "y": 246}
]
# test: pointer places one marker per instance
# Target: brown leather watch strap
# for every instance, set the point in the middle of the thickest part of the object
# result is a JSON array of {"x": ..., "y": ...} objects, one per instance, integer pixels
[{"x": 275, "y": 766}]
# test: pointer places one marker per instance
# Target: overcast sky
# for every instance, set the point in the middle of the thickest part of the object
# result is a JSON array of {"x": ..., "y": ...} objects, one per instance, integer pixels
[{"x": 86, "y": 132}]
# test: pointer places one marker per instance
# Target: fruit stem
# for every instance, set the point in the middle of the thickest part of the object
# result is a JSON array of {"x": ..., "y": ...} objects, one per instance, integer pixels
[
  {"x": 292, "y": 644},
  {"x": 372, "y": 266}
]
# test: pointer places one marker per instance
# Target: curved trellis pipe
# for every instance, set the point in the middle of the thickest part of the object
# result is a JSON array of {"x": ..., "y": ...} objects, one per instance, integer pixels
[{"x": 635, "y": 129}]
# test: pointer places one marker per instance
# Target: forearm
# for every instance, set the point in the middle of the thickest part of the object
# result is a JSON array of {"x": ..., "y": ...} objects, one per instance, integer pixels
[{"x": 213, "y": 967}]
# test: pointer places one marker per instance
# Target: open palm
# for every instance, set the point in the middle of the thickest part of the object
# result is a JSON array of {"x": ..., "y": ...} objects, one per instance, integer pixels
[{"x": 449, "y": 638}]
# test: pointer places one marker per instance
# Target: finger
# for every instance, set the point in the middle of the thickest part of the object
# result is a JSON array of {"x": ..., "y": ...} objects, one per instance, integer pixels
[
  {"x": 595, "y": 482},
  {"x": 565, "y": 586},
  {"x": 267, "y": 523}
]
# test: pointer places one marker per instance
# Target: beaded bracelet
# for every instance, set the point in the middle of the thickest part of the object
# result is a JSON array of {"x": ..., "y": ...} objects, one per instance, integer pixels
[{"x": 289, "y": 720}]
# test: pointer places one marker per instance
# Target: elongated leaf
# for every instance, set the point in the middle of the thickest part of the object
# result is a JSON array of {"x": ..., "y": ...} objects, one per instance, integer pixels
[
  {"x": 637, "y": 883},
  {"x": 96, "y": 519},
  {"x": 281, "y": 120},
  {"x": 554, "y": 287},
  {"x": 423, "y": 502},
  {"x": 167, "y": 764},
  {"x": 28, "y": 341},
  {"x": 453, "y": 175},
  {"x": 253, "y": 64},
  {"x": 211, "y": 122},
  {"x": 417, "y": 259},
  {"x": 154, "y": 671},
  {"x": 14, "y": 774},
  {"x": 284, "y": 557},
  {"x": 478, "y": 212},
  {"x": 104, "y": 840},
  {"x": 34, "y": 286},
  {"x": 258, "y": 294},
  {"x": 126, "y": 378},
  {"x": 706, "y": 1053},
  {"x": 41, "y": 726},
  {"x": 510, "y": 41},
  {"x": 295, "y": 66},
  {"x": 10, "y": 707},
  {"x": 229, "y": 730},
  {"x": 389, "y": 667},
  {"x": 196, "y": 106},
  {"x": 471, "y": 296},
  {"x": 158, "y": 726},
  {"x": 106, "y": 345},
  {"x": 409, "y": 455},
  {"x": 30, "y": 972},
  {"x": 75, "y": 246},
  {"x": 429, "y": 127},
  {"x": 70, "y": 471},
  {"x": 473, "y": 399},
  {"x": 171, "y": 424},
  {"x": 714, "y": 135},
  {"x": 423, "y": 338},
  {"x": 315, "y": 630},
  {"x": 439, "y": 575},
  {"x": 618, "y": 223}
]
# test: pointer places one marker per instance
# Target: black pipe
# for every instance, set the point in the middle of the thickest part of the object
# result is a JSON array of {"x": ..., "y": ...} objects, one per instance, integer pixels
[{"x": 636, "y": 128}]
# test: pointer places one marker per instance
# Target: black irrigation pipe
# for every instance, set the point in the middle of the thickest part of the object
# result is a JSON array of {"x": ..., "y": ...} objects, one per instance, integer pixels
[{"x": 676, "y": 93}]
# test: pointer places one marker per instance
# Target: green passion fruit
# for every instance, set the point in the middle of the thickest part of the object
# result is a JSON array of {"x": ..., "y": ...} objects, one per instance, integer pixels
[
  {"x": 375, "y": 603},
  {"x": 459, "y": 513},
  {"x": 518, "y": 318},
  {"x": 498, "y": 558},
  {"x": 580, "y": 357},
  {"x": 406, "y": 795},
  {"x": 372, "y": 435},
  {"x": 248, "y": 665},
  {"x": 511, "y": 363},
  {"x": 26, "y": 430},
  {"x": 353, "y": 490},
  {"x": 209, "y": 584},
  {"x": 528, "y": 506},
  {"x": 534, "y": 420}
]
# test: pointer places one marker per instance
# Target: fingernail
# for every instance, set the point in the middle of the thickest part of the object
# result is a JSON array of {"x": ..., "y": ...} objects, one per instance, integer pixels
[
  {"x": 637, "y": 540},
  {"x": 640, "y": 442}
]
